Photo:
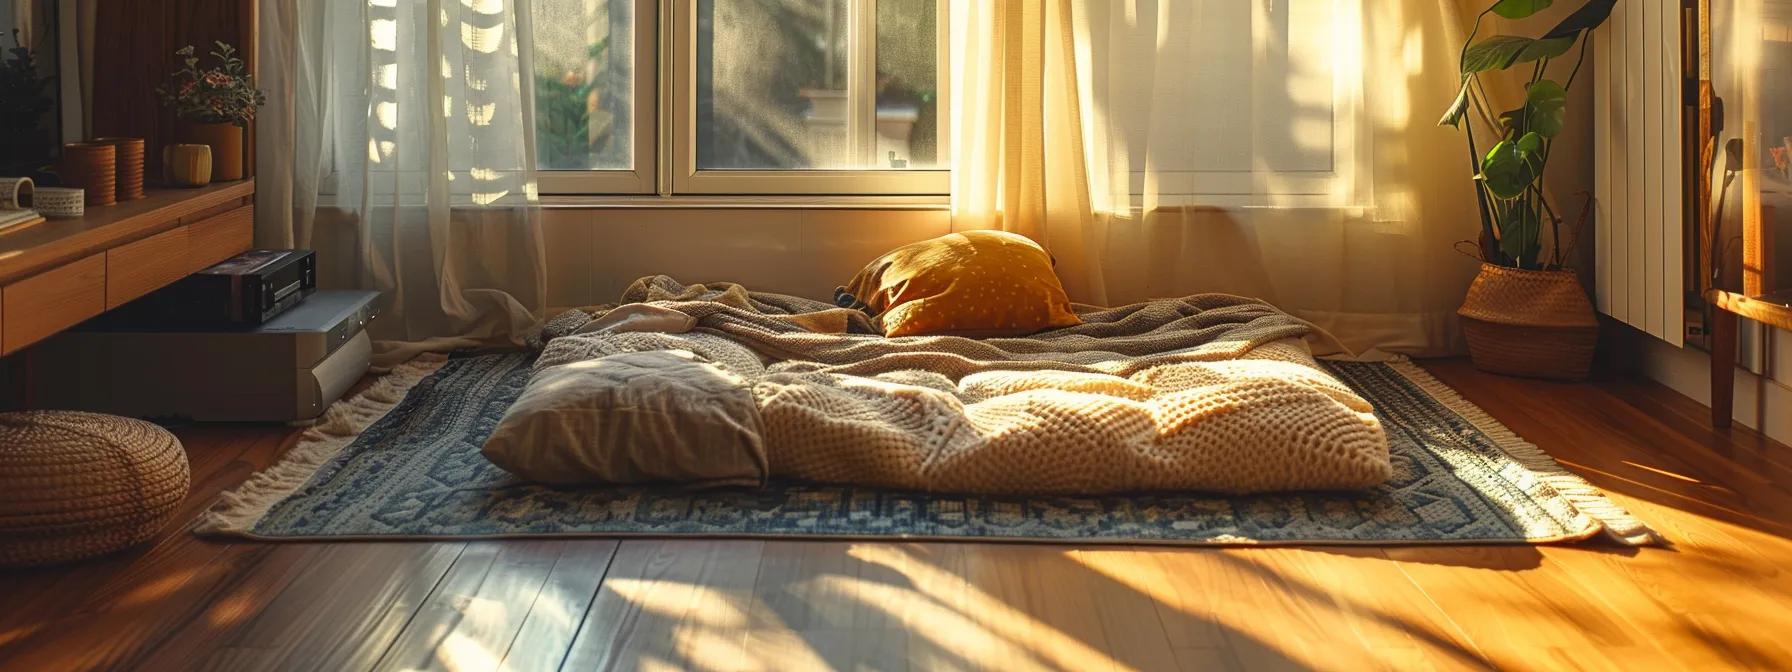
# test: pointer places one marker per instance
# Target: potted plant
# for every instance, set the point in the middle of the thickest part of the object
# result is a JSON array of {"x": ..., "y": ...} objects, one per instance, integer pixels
[
  {"x": 215, "y": 103},
  {"x": 24, "y": 100},
  {"x": 1525, "y": 314}
]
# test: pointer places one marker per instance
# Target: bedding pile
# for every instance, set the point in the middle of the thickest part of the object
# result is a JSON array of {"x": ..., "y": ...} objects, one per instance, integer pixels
[{"x": 713, "y": 384}]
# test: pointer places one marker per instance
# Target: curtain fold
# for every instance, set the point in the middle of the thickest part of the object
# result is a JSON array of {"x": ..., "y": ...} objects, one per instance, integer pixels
[
  {"x": 399, "y": 143},
  {"x": 1017, "y": 133},
  {"x": 1282, "y": 149}
]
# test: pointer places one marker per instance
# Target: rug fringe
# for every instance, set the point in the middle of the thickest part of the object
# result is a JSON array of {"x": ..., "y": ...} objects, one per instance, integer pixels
[
  {"x": 1617, "y": 523},
  {"x": 236, "y": 511}
]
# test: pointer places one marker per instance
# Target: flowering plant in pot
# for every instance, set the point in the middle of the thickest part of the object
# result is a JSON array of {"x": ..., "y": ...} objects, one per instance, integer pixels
[
  {"x": 1525, "y": 314},
  {"x": 216, "y": 103}
]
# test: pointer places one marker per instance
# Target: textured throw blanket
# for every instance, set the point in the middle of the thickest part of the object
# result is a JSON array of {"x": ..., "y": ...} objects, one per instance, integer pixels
[{"x": 1210, "y": 392}]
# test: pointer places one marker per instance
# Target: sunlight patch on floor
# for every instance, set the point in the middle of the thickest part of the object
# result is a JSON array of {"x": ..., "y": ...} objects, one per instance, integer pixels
[
  {"x": 459, "y": 652},
  {"x": 964, "y": 619},
  {"x": 1663, "y": 472}
]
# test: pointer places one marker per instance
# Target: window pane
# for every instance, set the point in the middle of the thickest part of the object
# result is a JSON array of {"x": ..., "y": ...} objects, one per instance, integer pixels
[
  {"x": 775, "y": 85},
  {"x": 584, "y": 84},
  {"x": 908, "y": 53}
]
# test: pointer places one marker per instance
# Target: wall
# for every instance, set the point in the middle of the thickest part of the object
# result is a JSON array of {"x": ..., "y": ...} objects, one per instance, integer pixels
[
  {"x": 593, "y": 254},
  {"x": 1762, "y": 400}
]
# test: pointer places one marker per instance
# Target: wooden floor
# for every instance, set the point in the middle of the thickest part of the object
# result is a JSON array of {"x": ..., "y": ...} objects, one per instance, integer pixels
[{"x": 1720, "y": 597}]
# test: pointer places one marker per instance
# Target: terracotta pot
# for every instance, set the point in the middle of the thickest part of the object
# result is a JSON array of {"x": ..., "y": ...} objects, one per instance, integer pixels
[
  {"x": 187, "y": 165},
  {"x": 226, "y": 141},
  {"x": 92, "y": 166},
  {"x": 1536, "y": 324},
  {"x": 129, "y": 166}
]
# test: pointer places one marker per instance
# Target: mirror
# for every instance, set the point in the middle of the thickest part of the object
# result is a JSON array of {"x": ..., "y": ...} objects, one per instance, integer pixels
[{"x": 30, "y": 110}]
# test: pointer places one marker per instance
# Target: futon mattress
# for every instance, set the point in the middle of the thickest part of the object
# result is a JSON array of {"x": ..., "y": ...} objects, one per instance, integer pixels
[{"x": 713, "y": 384}]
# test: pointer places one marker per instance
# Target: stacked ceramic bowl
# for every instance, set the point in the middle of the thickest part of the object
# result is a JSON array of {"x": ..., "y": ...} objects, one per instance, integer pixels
[{"x": 92, "y": 166}]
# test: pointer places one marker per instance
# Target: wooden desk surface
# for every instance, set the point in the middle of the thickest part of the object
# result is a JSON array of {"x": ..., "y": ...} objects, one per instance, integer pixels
[{"x": 32, "y": 249}]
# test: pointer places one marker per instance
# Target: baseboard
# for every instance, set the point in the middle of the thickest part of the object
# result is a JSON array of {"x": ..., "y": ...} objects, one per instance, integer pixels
[{"x": 1762, "y": 404}]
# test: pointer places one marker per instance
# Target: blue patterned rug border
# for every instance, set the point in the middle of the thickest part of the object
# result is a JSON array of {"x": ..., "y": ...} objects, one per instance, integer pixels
[{"x": 349, "y": 480}]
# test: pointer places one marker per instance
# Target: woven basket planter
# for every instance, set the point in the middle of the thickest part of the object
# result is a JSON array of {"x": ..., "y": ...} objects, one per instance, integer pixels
[
  {"x": 1536, "y": 324},
  {"x": 76, "y": 485}
]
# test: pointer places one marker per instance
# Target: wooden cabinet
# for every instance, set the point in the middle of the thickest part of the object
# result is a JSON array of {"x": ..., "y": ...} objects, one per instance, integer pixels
[
  {"x": 56, "y": 274},
  {"x": 219, "y": 237},
  {"x": 138, "y": 268},
  {"x": 53, "y": 300}
]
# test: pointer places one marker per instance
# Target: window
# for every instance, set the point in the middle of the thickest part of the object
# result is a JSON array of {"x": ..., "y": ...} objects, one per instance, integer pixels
[
  {"x": 1275, "y": 104},
  {"x": 594, "y": 95},
  {"x": 759, "y": 96}
]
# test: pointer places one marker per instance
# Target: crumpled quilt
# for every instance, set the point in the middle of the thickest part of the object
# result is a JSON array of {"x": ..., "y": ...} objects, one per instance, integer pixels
[{"x": 1205, "y": 393}]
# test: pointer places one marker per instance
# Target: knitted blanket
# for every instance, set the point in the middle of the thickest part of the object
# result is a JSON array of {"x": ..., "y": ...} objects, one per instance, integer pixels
[{"x": 1210, "y": 393}]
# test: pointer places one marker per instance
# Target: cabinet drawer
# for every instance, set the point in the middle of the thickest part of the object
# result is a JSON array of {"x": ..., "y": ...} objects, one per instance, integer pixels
[
  {"x": 145, "y": 266},
  {"x": 219, "y": 237},
  {"x": 51, "y": 301}
]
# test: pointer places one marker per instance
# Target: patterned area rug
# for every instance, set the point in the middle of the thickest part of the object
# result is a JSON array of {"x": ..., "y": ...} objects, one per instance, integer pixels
[{"x": 402, "y": 461}]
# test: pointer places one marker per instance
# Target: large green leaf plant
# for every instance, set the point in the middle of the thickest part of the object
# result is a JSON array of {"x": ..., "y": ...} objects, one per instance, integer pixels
[{"x": 1509, "y": 175}]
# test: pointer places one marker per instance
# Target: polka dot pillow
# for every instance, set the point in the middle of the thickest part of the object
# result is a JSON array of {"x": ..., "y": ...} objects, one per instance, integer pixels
[{"x": 975, "y": 283}]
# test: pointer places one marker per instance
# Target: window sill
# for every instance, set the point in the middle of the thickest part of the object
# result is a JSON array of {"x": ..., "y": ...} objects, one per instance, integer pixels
[{"x": 746, "y": 202}]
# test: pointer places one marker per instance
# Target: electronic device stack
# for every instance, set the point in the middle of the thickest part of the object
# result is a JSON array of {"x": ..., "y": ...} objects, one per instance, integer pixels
[{"x": 250, "y": 339}]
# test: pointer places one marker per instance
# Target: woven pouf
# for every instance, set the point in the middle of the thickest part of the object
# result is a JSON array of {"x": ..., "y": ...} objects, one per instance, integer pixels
[{"x": 76, "y": 485}]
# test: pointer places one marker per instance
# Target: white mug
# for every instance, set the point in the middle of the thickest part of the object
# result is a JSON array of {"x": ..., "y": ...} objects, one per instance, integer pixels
[
  {"x": 60, "y": 201},
  {"x": 15, "y": 193}
]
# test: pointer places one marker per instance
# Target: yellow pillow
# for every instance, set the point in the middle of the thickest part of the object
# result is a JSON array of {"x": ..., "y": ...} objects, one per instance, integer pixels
[{"x": 975, "y": 283}]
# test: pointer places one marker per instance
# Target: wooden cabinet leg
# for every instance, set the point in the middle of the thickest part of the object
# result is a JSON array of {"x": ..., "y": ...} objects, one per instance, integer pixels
[{"x": 1723, "y": 366}]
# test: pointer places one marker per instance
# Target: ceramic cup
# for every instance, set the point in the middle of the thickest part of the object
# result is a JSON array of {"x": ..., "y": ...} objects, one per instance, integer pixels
[
  {"x": 129, "y": 166},
  {"x": 92, "y": 166},
  {"x": 15, "y": 193},
  {"x": 187, "y": 165},
  {"x": 60, "y": 201}
]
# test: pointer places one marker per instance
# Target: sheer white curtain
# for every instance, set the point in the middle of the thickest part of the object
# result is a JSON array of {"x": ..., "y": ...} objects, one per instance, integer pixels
[
  {"x": 1281, "y": 149},
  {"x": 398, "y": 142}
]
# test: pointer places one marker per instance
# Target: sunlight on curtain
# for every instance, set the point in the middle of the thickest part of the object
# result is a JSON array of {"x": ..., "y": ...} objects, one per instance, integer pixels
[
  {"x": 404, "y": 130},
  {"x": 1281, "y": 149}
]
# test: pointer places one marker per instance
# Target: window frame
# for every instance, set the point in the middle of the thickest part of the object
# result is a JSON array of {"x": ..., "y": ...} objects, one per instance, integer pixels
[
  {"x": 688, "y": 178},
  {"x": 642, "y": 178},
  {"x": 665, "y": 121}
]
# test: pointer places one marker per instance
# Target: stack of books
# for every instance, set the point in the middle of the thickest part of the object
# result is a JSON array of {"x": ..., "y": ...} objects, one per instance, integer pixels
[{"x": 11, "y": 219}]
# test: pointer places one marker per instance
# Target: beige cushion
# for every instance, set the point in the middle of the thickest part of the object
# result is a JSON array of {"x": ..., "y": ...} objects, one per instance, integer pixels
[{"x": 637, "y": 417}]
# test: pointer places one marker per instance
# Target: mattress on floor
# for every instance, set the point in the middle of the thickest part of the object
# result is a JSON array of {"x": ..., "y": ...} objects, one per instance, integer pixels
[{"x": 714, "y": 385}]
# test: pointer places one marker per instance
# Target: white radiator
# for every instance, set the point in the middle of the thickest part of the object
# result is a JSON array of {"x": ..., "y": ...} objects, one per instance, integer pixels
[{"x": 1637, "y": 168}]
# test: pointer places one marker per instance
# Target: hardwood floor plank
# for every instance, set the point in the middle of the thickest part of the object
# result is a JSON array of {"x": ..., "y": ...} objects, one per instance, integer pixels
[
  {"x": 241, "y": 595},
  {"x": 1277, "y": 608},
  {"x": 1121, "y": 583},
  {"x": 674, "y": 603},
  {"x": 470, "y": 619},
  {"x": 1519, "y": 617},
  {"x": 553, "y": 620},
  {"x": 1689, "y": 629},
  {"x": 341, "y": 611},
  {"x": 813, "y": 607},
  {"x": 126, "y": 619},
  {"x": 925, "y": 593}
]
